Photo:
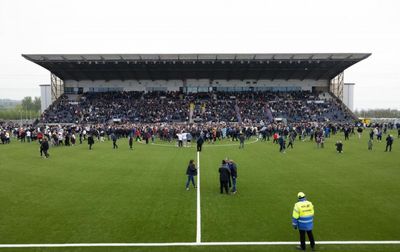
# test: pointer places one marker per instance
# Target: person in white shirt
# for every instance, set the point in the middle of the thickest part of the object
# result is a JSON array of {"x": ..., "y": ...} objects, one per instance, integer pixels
[
  {"x": 184, "y": 139},
  {"x": 180, "y": 139},
  {"x": 28, "y": 135}
]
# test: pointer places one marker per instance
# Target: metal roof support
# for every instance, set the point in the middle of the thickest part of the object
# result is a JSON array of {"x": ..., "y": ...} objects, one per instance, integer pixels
[
  {"x": 56, "y": 86},
  {"x": 336, "y": 86}
]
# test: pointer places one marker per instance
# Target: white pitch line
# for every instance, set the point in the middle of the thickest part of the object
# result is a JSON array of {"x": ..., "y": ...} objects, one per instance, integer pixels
[
  {"x": 198, "y": 223},
  {"x": 180, "y": 244}
]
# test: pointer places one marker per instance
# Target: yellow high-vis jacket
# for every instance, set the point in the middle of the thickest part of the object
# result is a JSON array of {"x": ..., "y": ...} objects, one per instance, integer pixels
[{"x": 303, "y": 215}]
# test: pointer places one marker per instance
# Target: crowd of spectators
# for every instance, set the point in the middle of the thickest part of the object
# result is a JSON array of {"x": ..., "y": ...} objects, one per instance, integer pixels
[
  {"x": 157, "y": 107},
  {"x": 69, "y": 135}
]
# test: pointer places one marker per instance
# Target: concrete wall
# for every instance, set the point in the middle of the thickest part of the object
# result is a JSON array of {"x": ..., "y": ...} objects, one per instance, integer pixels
[
  {"x": 174, "y": 85},
  {"x": 45, "y": 97},
  {"x": 348, "y": 95}
]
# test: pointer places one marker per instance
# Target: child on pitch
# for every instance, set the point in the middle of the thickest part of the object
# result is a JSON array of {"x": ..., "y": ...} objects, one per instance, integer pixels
[
  {"x": 191, "y": 172},
  {"x": 339, "y": 146},
  {"x": 370, "y": 144}
]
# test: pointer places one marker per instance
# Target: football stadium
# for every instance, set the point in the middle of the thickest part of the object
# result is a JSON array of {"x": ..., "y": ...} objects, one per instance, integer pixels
[{"x": 198, "y": 152}]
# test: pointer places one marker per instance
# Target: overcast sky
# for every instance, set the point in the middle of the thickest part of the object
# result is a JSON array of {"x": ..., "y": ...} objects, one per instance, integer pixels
[{"x": 204, "y": 26}]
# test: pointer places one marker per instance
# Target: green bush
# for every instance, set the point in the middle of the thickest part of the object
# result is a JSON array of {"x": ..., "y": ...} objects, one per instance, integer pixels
[{"x": 16, "y": 114}]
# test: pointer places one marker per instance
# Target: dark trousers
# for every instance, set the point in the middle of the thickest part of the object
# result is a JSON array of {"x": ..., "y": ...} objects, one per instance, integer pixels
[
  {"x": 303, "y": 239},
  {"x": 290, "y": 144},
  {"x": 199, "y": 147},
  {"x": 190, "y": 179},
  {"x": 115, "y": 146},
  {"x": 45, "y": 152},
  {"x": 388, "y": 146},
  {"x": 224, "y": 185}
]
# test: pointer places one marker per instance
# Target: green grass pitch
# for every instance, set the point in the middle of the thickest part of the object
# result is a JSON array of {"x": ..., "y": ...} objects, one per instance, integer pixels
[{"x": 139, "y": 196}]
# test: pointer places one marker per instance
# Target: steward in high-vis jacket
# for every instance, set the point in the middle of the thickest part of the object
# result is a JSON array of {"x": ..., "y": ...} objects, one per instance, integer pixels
[{"x": 302, "y": 219}]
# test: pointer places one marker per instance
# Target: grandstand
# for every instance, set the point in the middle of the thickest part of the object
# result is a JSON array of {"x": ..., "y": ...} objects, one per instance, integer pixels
[{"x": 151, "y": 88}]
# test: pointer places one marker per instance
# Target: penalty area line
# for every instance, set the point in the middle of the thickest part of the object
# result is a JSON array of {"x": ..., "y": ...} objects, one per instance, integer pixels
[{"x": 180, "y": 244}]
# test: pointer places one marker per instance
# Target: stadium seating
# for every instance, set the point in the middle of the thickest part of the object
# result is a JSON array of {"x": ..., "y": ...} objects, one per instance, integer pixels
[{"x": 152, "y": 107}]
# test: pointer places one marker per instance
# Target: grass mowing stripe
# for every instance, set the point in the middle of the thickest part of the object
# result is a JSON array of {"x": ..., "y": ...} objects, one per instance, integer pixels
[{"x": 177, "y": 244}]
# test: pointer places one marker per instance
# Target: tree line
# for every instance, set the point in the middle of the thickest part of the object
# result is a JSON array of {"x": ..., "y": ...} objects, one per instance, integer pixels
[
  {"x": 28, "y": 108},
  {"x": 378, "y": 113}
]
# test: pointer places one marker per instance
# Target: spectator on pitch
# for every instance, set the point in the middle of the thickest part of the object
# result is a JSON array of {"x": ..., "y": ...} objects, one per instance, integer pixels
[
  {"x": 376, "y": 131},
  {"x": 7, "y": 137},
  {"x": 241, "y": 141},
  {"x": 303, "y": 220},
  {"x": 339, "y": 146},
  {"x": 114, "y": 140},
  {"x": 322, "y": 141},
  {"x": 233, "y": 169},
  {"x": 189, "y": 139},
  {"x": 292, "y": 137},
  {"x": 90, "y": 141},
  {"x": 44, "y": 148},
  {"x": 389, "y": 142},
  {"x": 73, "y": 139},
  {"x": 130, "y": 142},
  {"x": 224, "y": 177},
  {"x": 370, "y": 144},
  {"x": 67, "y": 138},
  {"x": 359, "y": 132},
  {"x": 80, "y": 136},
  {"x": 180, "y": 139},
  {"x": 184, "y": 139},
  {"x": 275, "y": 137},
  {"x": 281, "y": 141},
  {"x": 371, "y": 134},
  {"x": 318, "y": 141},
  {"x": 39, "y": 137},
  {"x": 346, "y": 133},
  {"x": 191, "y": 171},
  {"x": 28, "y": 135},
  {"x": 200, "y": 142},
  {"x": 379, "y": 135}
]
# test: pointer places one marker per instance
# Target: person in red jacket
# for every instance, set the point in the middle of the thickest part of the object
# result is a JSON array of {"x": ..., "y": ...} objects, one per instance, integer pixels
[{"x": 40, "y": 137}]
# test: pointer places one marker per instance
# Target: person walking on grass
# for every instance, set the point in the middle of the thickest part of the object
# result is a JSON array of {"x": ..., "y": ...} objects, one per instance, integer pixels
[
  {"x": 292, "y": 137},
  {"x": 224, "y": 177},
  {"x": 114, "y": 140},
  {"x": 389, "y": 142},
  {"x": 370, "y": 144},
  {"x": 130, "y": 141},
  {"x": 233, "y": 168},
  {"x": 44, "y": 148},
  {"x": 241, "y": 141},
  {"x": 191, "y": 172},
  {"x": 90, "y": 141},
  {"x": 200, "y": 142},
  {"x": 339, "y": 146},
  {"x": 281, "y": 141},
  {"x": 302, "y": 219}
]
